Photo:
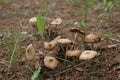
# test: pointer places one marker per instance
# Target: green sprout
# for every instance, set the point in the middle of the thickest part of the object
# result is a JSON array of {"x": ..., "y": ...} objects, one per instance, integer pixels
[
  {"x": 36, "y": 73},
  {"x": 40, "y": 25},
  {"x": 107, "y": 5},
  {"x": 16, "y": 35}
]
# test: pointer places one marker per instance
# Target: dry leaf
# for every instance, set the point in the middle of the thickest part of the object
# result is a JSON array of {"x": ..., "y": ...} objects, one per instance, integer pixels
[
  {"x": 51, "y": 62},
  {"x": 52, "y": 44},
  {"x": 66, "y": 41},
  {"x": 71, "y": 53},
  {"x": 30, "y": 52},
  {"x": 57, "y": 21},
  {"x": 88, "y": 54},
  {"x": 79, "y": 69}
]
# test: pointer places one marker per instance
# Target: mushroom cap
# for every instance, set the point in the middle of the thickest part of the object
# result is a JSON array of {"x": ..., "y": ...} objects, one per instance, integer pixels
[
  {"x": 87, "y": 54},
  {"x": 33, "y": 20},
  {"x": 91, "y": 38},
  {"x": 52, "y": 44},
  {"x": 51, "y": 62},
  {"x": 66, "y": 41},
  {"x": 77, "y": 30},
  {"x": 30, "y": 52},
  {"x": 71, "y": 53},
  {"x": 56, "y": 21}
]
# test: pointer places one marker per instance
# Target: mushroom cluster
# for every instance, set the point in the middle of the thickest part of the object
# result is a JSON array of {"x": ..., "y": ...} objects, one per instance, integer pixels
[
  {"x": 51, "y": 30},
  {"x": 59, "y": 45},
  {"x": 53, "y": 48}
]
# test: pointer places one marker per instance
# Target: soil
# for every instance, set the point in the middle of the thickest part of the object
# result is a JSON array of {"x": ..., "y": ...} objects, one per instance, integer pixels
[{"x": 14, "y": 22}]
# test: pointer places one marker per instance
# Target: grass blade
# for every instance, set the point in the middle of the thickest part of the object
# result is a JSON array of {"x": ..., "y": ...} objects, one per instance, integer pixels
[{"x": 40, "y": 25}]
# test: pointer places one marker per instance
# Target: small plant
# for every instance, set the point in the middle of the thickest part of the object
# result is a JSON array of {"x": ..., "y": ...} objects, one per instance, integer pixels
[
  {"x": 107, "y": 5},
  {"x": 36, "y": 73},
  {"x": 83, "y": 23},
  {"x": 41, "y": 27},
  {"x": 16, "y": 36}
]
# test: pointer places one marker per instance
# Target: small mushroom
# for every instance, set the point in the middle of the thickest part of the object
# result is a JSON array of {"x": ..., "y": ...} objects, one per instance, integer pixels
[
  {"x": 88, "y": 54},
  {"x": 53, "y": 29},
  {"x": 51, "y": 62},
  {"x": 71, "y": 53},
  {"x": 53, "y": 43},
  {"x": 76, "y": 31},
  {"x": 66, "y": 41},
  {"x": 30, "y": 52},
  {"x": 33, "y": 20},
  {"x": 65, "y": 44},
  {"x": 57, "y": 21},
  {"x": 92, "y": 38}
]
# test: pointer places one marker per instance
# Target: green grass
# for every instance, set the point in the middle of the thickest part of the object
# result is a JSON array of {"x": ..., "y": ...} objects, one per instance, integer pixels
[
  {"x": 74, "y": 3},
  {"x": 16, "y": 36},
  {"x": 36, "y": 73}
]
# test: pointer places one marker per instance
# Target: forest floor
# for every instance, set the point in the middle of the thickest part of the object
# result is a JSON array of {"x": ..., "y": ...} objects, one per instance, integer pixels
[{"x": 14, "y": 22}]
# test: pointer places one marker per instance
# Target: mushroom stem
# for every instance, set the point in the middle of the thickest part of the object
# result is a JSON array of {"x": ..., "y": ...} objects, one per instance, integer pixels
[
  {"x": 92, "y": 46},
  {"x": 75, "y": 38}
]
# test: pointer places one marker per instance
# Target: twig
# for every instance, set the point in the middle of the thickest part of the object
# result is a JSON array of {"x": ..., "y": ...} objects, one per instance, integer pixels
[{"x": 67, "y": 69}]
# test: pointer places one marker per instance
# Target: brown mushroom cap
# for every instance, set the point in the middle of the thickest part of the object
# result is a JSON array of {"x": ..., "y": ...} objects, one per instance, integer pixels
[
  {"x": 71, "y": 53},
  {"x": 52, "y": 44},
  {"x": 88, "y": 54},
  {"x": 51, "y": 62},
  {"x": 77, "y": 30},
  {"x": 91, "y": 38}
]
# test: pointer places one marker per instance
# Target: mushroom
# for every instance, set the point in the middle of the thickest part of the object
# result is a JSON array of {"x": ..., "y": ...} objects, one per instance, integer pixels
[
  {"x": 33, "y": 21},
  {"x": 53, "y": 43},
  {"x": 51, "y": 62},
  {"x": 53, "y": 29},
  {"x": 30, "y": 52},
  {"x": 71, "y": 53},
  {"x": 57, "y": 21},
  {"x": 92, "y": 38},
  {"x": 88, "y": 54},
  {"x": 76, "y": 31},
  {"x": 66, "y": 41}
]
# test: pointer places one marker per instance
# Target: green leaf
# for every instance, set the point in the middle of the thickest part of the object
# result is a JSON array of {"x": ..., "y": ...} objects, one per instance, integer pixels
[
  {"x": 110, "y": 5},
  {"x": 40, "y": 25},
  {"x": 36, "y": 73}
]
